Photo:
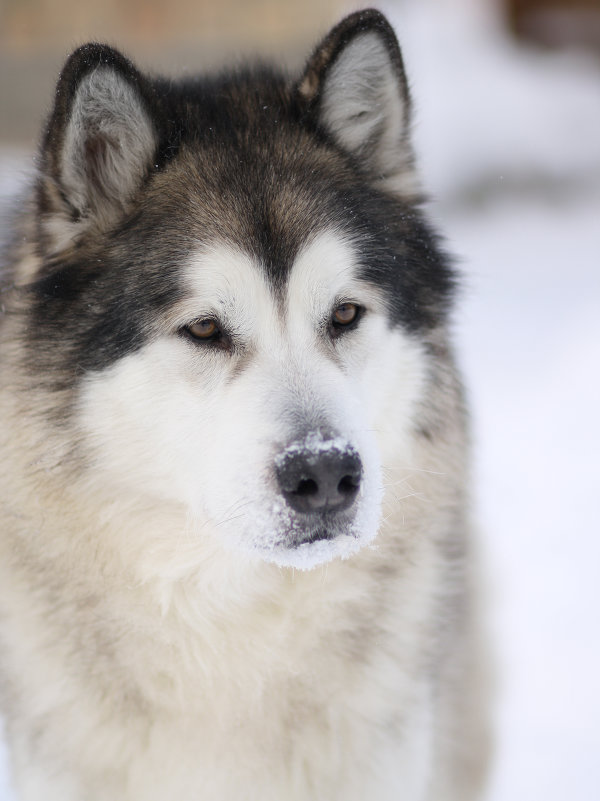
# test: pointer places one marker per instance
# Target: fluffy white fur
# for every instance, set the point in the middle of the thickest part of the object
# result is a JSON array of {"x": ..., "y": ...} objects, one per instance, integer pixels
[{"x": 179, "y": 661}]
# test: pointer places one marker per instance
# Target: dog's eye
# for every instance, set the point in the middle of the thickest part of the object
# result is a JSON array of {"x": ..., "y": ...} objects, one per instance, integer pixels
[
  {"x": 204, "y": 330},
  {"x": 345, "y": 316}
]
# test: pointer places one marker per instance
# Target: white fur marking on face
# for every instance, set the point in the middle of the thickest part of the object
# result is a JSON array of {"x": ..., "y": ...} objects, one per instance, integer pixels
[
  {"x": 225, "y": 282},
  {"x": 323, "y": 273},
  {"x": 179, "y": 422}
]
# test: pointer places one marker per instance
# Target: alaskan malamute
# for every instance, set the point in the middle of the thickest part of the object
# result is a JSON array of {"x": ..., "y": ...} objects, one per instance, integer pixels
[{"x": 235, "y": 559}]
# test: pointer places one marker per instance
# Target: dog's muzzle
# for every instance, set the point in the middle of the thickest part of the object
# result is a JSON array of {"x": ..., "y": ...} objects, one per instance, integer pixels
[{"x": 319, "y": 477}]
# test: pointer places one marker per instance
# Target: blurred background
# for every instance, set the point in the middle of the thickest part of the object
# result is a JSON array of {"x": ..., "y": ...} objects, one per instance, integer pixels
[
  {"x": 181, "y": 35},
  {"x": 507, "y": 129}
]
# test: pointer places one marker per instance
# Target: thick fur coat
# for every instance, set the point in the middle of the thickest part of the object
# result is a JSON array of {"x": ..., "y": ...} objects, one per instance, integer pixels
[{"x": 235, "y": 549}]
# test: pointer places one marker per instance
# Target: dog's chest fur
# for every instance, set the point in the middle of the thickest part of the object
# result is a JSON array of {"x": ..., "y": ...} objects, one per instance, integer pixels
[{"x": 307, "y": 686}]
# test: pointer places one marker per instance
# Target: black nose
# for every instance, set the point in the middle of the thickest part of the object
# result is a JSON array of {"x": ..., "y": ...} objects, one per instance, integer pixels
[{"x": 322, "y": 478}]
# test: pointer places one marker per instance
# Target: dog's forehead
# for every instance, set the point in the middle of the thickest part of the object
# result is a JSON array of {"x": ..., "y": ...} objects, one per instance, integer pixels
[{"x": 223, "y": 278}]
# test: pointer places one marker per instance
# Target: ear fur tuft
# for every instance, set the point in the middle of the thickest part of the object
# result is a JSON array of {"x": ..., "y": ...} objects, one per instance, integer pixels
[
  {"x": 356, "y": 90},
  {"x": 100, "y": 142}
]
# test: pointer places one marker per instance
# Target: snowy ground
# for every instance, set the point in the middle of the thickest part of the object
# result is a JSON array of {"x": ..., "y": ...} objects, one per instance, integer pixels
[{"x": 510, "y": 142}]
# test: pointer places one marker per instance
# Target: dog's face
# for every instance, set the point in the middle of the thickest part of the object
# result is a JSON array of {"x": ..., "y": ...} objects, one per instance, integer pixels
[
  {"x": 267, "y": 412},
  {"x": 234, "y": 283}
]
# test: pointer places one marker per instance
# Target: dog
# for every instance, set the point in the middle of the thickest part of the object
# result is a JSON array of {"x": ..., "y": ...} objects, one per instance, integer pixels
[{"x": 236, "y": 558}]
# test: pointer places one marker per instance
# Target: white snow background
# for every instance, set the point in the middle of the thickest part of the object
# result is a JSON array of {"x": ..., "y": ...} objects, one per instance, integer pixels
[{"x": 509, "y": 141}]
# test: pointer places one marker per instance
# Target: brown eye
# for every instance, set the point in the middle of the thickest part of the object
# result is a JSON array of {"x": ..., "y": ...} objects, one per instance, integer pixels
[
  {"x": 345, "y": 315},
  {"x": 206, "y": 329}
]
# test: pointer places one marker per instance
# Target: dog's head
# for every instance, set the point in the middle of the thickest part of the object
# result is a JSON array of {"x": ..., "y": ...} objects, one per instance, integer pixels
[{"x": 235, "y": 281}]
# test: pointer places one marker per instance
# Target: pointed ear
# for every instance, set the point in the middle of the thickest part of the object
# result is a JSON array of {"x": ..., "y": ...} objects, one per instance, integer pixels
[
  {"x": 100, "y": 143},
  {"x": 356, "y": 90}
]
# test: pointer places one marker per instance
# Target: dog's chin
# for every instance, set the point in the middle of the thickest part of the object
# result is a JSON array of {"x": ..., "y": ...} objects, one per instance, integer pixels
[
  {"x": 316, "y": 545},
  {"x": 308, "y": 555}
]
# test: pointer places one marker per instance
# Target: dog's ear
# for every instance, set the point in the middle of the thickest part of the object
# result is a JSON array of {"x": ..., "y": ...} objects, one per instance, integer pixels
[
  {"x": 356, "y": 90},
  {"x": 100, "y": 143}
]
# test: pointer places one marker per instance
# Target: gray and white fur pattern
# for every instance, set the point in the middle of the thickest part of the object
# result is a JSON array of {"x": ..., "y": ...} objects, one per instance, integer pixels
[{"x": 223, "y": 292}]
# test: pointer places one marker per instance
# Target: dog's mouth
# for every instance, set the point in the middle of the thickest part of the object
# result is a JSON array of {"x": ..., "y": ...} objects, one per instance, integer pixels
[
  {"x": 327, "y": 529},
  {"x": 311, "y": 548},
  {"x": 306, "y": 542},
  {"x": 318, "y": 535}
]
